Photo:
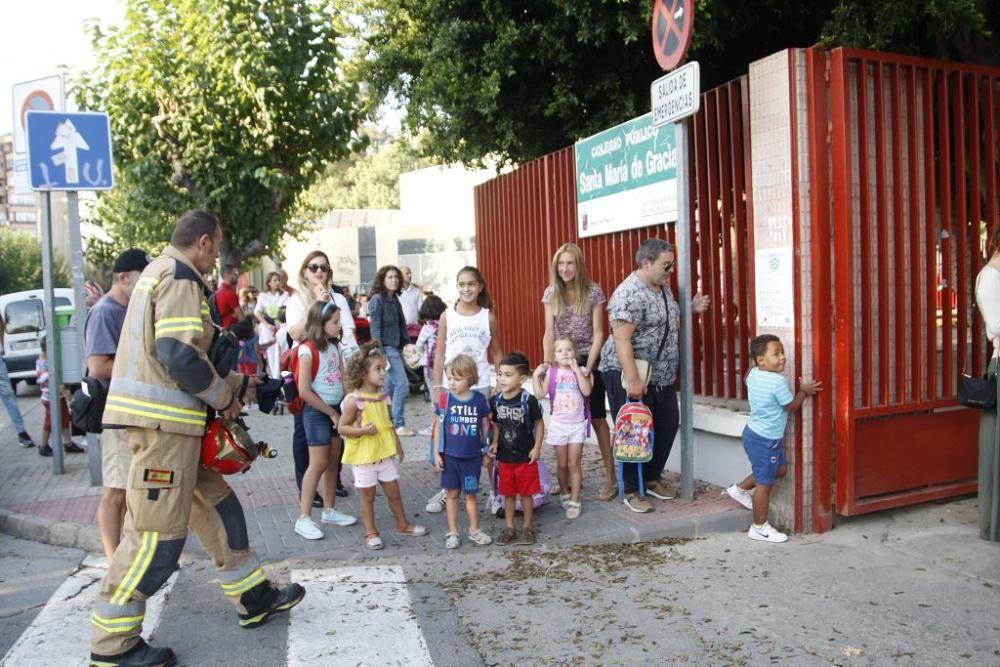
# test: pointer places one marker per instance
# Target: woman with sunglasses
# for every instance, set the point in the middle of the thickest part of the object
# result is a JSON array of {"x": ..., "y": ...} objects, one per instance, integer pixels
[
  {"x": 389, "y": 329},
  {"x": 315, "y": 284}
]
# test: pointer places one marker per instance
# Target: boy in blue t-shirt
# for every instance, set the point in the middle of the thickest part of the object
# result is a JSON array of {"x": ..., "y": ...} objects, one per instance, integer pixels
[
  {"x": 763, "y": 438},
  {"x": 461, "y": 447}
]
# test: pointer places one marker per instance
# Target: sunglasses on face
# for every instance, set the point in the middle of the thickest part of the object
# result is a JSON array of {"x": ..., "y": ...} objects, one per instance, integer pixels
[{"x": 315, "y": 268}]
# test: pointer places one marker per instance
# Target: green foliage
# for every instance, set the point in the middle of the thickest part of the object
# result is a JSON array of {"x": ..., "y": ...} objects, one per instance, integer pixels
[
  {"x": 365, "y": 180},
  {"x": 21, "y": 264},
  {"x": 228, "y": 105},
  {"x": 519, "y": 79},
  {"x": 953, "y": 29},
  {"x": 516, "y": 79}
]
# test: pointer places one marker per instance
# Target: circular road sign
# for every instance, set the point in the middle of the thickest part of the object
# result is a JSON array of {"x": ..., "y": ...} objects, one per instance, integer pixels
[
  {"x": 673, "y": 25},
  {"x": 36, "y": 100}
]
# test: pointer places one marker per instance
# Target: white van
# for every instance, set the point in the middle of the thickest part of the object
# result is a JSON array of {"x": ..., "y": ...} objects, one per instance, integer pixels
[{"x": 25, "y": 323}]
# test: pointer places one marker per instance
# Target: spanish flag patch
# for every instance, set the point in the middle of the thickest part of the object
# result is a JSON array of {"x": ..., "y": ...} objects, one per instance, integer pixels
[{"x": 158, "y": 476}]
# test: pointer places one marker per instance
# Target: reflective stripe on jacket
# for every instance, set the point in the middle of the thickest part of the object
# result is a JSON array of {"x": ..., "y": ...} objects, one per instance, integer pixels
[{"x": 162, "y": 377}]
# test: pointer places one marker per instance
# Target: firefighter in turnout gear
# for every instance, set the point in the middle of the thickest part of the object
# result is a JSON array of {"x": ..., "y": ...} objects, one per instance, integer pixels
[{"x": 162, "y": 387}]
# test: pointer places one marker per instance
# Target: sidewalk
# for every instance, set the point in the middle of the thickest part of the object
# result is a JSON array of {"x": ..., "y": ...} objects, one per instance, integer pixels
[{"x": 61, "y": 509}]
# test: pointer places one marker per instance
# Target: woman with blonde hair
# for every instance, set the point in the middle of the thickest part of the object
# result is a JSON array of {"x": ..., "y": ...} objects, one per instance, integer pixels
[
  {"x": 315, "y": 280},
  {"x": 574, "y": 309}
]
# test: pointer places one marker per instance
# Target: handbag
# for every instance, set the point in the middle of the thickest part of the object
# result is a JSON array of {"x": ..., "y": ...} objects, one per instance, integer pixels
[
  {"x": 643, "y": 367},
  {"x": 976, "y": 392}
]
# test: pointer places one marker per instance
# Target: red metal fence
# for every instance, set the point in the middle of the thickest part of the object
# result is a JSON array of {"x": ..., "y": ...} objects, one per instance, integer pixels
[
  {"x": 914, "y": 175},
  {"x": 524, "y": 216}
]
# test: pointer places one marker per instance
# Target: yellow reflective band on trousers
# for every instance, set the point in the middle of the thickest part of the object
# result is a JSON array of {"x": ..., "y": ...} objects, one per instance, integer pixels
[
  {"x": 138, "y": 569},
  {"x": 131, "y": 406},
  {"x": 246, "y": 583},
  {"x": 118, "y": 624}
]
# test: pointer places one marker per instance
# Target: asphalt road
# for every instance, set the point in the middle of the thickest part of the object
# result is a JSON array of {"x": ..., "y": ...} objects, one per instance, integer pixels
[{"x": 914, "y": 587}]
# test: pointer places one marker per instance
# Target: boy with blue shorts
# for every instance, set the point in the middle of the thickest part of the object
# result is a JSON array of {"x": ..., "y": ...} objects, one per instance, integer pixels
[
  {"x": 763, "y": 438},
  {"x": 463, "y": 421}
]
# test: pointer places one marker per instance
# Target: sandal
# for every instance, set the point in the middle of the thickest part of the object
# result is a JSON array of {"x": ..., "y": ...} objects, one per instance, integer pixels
[
  {"x": 373, "y": 542},
  {"x": 413, "y": 530},
  {"x": 609, "y": 493}
]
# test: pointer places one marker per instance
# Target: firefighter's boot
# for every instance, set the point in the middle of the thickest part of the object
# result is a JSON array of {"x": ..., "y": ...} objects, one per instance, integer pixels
[
  {"x": 265, "y": 600},
  {"x": 140, "y": 655}
]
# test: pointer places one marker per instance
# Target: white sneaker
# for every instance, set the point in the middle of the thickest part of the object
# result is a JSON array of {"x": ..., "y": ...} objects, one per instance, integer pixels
[
  {"x": 436, "y": 503},
  {"x": 308, "y": 529},
  {"x": 742, "y": 496},
  {"x": 338, "y": 518},
  {"x": 766, "y": 533}
]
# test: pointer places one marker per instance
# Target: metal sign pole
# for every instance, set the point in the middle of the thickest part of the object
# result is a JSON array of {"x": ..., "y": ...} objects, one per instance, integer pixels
[
  {"x": 48, "y": 312},
  {"x": 76, "y": 264},
  {"x": 685, "y": 295}
]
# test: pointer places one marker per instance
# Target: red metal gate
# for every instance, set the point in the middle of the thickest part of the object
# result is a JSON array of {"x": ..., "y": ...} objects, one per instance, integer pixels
[
  {"x": 914, "y": 176},
  {"x": 523, "y": 216}
]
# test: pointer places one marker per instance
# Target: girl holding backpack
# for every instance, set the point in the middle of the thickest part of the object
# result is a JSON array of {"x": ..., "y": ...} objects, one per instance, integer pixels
[
  {"x": 568, "y": 389},
  {"x": 318, "y": 372}
]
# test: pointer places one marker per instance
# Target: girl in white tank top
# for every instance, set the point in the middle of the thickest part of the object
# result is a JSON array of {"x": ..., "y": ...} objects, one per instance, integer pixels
[
  {"x": 469, "y": 335},
  {"x": 468, "y": 328}
]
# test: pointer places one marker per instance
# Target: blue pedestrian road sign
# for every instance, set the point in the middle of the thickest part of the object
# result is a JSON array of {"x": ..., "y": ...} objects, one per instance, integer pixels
[{"x": 69, "y": 151}]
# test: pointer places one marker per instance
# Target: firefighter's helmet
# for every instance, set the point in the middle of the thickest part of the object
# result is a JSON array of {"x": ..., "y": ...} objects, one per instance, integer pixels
[{"x": 228, "y": 449}]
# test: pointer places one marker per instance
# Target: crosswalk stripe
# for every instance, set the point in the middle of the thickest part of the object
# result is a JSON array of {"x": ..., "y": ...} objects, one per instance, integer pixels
[
  {"x": 60, "y": 633},
  {"x": 355, "y": 616}
]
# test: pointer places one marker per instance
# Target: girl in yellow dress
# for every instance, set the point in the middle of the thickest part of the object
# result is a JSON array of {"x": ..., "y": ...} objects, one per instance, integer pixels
[{"x": 371, "y": 444}]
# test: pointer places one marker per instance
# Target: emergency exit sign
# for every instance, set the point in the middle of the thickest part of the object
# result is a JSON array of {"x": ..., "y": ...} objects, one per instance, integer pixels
[{"x": 676, "y": 95}]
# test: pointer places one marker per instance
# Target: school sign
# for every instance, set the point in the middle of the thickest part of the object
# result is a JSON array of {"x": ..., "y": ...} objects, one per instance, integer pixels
[{"x": 626, "y": 177}]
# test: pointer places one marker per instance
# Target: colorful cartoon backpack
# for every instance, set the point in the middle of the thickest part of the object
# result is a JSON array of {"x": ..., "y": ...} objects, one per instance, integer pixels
[
  {"x": 632, "y": 441},
  {"x": 552, "y": 398}
]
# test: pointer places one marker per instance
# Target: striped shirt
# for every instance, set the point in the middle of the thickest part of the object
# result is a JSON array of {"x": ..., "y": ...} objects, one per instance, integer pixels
[{"x": 768, "y": 394}]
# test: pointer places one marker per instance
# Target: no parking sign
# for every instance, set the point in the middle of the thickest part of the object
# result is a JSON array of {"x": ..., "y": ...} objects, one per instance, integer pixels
[{"x": 673, "y": 25}]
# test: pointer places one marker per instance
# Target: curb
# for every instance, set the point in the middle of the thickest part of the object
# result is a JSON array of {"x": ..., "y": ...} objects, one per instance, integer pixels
[
  {"x": 50, "y": 531},
  {"x": 88, "y": 538}
]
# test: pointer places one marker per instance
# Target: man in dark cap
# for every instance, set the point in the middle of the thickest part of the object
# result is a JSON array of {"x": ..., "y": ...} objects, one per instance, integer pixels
[{"x": 102, "y": 333}]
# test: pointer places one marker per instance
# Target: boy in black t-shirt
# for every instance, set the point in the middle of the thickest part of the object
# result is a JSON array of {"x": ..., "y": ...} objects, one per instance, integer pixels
[{"x": 517, "y": 445}]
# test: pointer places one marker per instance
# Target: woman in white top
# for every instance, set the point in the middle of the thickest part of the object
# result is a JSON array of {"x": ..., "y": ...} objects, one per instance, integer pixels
[
  {"x": 988, "y": 300},
  {"x": 316, "y": 284},
  {"x": 269, "y": 305},
  {"x": 315, "y": 280}
]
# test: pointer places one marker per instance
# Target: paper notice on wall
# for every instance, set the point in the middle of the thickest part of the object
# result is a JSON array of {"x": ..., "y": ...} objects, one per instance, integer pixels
[{"x": 775, "y": 288}]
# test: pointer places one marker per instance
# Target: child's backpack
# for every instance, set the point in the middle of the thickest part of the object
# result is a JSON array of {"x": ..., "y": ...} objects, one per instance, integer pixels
[
  {"x": 552, "y": 398},
  {"x": 543, "y": 474},
  {"x": 295, "y": 402},
  {"x": 632, "y": 441},
  {"x": 437, "y": 430}
]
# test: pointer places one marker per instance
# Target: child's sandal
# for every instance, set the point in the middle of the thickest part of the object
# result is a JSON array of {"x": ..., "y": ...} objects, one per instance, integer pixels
[
  {"x": 373, "y": 542},
  {"x": 413, "y": 530}
]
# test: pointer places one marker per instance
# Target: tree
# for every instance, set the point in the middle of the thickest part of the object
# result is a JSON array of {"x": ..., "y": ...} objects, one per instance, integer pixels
[
  {"x": 364, "y": 180},
  {"x": 228, "y": 105},
  {"x": 21, "y": 264},
  {"x": 516, "y": 79},
  {"x": 962, "y": 30}
]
